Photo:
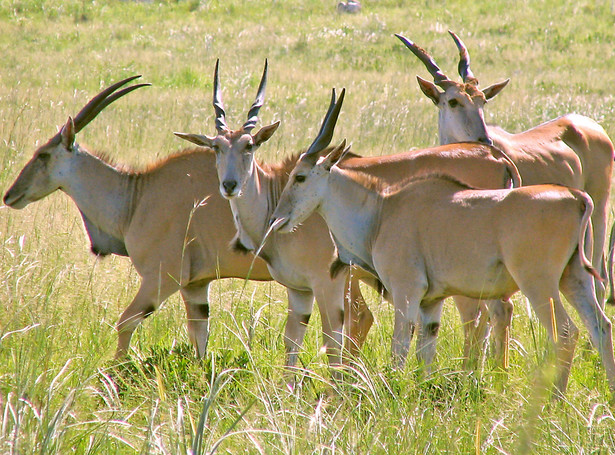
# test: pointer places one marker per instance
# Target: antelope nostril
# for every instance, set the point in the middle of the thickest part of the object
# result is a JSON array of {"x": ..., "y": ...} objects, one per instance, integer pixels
[{"x": 229, "y": 185}]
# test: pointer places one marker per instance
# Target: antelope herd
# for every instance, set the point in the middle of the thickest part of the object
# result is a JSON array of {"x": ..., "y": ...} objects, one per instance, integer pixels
[{"x": 533, "y": 207}]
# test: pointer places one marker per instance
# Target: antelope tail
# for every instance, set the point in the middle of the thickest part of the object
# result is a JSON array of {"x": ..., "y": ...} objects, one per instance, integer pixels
[
  {"x": 583, "y": 232},
  {"x": 513, "y": 171},
  {"x": 609, "y": 266}
]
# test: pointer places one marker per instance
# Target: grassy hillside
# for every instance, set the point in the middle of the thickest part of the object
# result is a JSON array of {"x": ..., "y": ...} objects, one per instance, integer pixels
[{"x": 60, "y": 391}]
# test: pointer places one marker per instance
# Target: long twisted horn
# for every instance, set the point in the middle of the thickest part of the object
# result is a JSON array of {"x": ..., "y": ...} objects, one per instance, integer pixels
[
  {"x": 221, "y": 126},
  {"x": 258, "y": 102},
  {"x": 464, "y": 61},
  {"x": 99, "y": 102},
  {"x": 438, "y": 76},
  {"x": 328, "y": 126}
]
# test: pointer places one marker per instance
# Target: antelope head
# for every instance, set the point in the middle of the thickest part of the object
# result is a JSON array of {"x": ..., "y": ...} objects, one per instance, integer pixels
[
  {"x": 234, "y": 149},
  {"x": 460, "y": 105},
  {"x": 307, "y": 184},
  {"x": 50, "y": 166}
]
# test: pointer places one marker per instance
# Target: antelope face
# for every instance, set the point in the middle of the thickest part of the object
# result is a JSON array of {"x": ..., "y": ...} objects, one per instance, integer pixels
[
  {"x": 234, "y": 162},
  {"x": 234, "y": 149},
  {"x": 460, "y": 104},
  {"x": 50, "y": 166},
  {"x": 302, "y": 195},
  {"x": 305, "y": 190},
  {"x": 42, "y": 175},
  {"x": 308, "y": 182},
  {"x": 235, "y": 158},
  {"x": 461, "y": 115},
  {"x": 234, "y": 155}
]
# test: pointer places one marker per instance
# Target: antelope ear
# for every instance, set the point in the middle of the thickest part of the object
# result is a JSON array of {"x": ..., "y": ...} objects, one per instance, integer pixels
[
  {"x": 198, "y": 139},
  {"x": 68, "y": 134},
  {"x": 494, "y": 89},
  {"x": 335, "y": 156},
  {"x": 265, "y": 133},
  {"x": 429, "y": 89}
]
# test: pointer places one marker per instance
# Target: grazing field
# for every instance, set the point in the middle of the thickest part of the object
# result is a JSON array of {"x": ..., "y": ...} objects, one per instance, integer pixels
[{"x": 60, "y": 390}]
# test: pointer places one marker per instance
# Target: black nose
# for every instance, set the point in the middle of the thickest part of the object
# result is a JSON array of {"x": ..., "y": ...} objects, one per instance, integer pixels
[
  {"x": 229, "y": 185},
  {"x": 485, "y": 140}
]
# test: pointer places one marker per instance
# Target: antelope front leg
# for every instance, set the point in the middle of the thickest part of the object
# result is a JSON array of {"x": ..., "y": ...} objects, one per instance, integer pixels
[
  {"x": 430, "y": 315},
  {"x": 300, "y": 304},
  {"x": 406, "y": 315},
  {"x": 196, "y": 300}
]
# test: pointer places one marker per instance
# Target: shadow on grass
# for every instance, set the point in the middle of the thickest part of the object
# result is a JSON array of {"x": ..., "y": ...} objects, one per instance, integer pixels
[{"x": 172, "y": 371}]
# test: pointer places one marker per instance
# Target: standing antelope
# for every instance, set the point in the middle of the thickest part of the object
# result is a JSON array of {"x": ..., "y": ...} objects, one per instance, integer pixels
[
  {"x": 169, "y": 220},
  {"x": 572, "y": 150},
  {"x": 529, "y": 239},
  {"x": 301, "y": 261}
]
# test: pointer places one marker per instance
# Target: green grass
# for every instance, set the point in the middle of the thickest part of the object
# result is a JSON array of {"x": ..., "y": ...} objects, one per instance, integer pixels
[{"x": 60, "y": 391}]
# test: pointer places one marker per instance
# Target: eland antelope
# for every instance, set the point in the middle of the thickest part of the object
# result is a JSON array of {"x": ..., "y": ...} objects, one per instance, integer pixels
[
  {"x": 530, "y": 239},
  {"x": 572, "y": 150},
  {"x": 301, "y": 261},
  {"x": 169, "y": 219}
]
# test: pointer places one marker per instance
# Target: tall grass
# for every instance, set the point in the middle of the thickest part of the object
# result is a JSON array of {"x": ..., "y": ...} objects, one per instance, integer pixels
[{"x": 60, "y": 390}]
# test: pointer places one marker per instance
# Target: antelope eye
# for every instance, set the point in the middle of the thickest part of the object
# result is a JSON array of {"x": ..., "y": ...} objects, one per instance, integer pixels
[
  {"x": 453, "y": 103},
  {"x": 44, "y": 157},
  {"x": 249, "y": 147},
  {"x": 299, "y": 178}
]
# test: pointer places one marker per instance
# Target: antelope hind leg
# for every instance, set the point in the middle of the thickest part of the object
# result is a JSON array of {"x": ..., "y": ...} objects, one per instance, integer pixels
[
  {"x": 358, "y": 318},
  {"x": 500, "y": 315},
  {"x": 577, "y": 287},
  {"x": 475, "y": 330},
  {"x": 148, "y": 299}
]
